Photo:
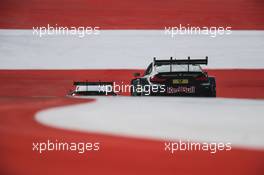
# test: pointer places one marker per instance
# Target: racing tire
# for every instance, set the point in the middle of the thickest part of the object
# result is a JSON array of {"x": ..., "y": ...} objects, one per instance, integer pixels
[
  {"x": 212, "y": 92},
  {"x": 133, "y": 91}
]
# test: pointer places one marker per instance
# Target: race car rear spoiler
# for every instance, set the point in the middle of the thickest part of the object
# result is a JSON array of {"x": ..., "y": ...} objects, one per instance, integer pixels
[
  {"x": 83, "y": 83},
  {"x": 92, "y": 88},
  {"x": 181, "y": 61}
]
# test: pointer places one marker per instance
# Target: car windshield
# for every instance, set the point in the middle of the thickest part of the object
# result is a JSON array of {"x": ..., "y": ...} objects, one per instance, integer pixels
[{"x": 178, "y": 68}]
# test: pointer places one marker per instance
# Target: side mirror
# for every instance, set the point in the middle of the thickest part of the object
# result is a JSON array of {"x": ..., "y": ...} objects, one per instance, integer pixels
[{"x": 136, "y": 74}]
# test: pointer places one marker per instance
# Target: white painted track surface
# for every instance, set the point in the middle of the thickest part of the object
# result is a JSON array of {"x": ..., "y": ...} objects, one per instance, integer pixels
[
  {"x": 115, "y": 49},
  {"x": 237, "y": 121}
]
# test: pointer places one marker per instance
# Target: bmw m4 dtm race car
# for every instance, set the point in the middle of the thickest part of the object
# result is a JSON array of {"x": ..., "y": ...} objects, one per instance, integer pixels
[{"x": 174, "y": 77}]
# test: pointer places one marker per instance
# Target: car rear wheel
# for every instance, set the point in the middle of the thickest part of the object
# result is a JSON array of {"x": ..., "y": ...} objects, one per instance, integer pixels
[
  {"x": 133, "y": 89},
  {"x": 212, "y": 92}
]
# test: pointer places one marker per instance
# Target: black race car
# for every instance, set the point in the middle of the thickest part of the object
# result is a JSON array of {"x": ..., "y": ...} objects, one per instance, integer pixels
[{"x": 174, "y": 77}]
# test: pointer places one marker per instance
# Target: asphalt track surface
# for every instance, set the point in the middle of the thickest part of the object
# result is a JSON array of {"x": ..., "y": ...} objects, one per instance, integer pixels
[{"x": 25, "y": 92}]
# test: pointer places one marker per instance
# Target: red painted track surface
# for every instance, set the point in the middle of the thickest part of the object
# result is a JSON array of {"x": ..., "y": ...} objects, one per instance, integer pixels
[
  {"x": 118, "y": 155},
  {"x": 133, "y": 14},
  {"x": 26, "y": 83}
]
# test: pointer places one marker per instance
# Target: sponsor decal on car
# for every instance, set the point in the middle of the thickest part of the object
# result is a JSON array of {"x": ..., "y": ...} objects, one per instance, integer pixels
[
  {"x": 180, "y": 81},
  {"x": 181, "y": 89}
]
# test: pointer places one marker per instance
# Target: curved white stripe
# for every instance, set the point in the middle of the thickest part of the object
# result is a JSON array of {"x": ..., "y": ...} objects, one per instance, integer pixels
[{"x": 198, "y": 119}]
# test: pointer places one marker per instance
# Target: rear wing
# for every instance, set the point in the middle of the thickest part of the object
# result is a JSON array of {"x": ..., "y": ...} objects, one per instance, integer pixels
[
  {"x": 187, "y": 61},
  {"x": 84, "y": 83},
  {"x": 92, "y": 88}
]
